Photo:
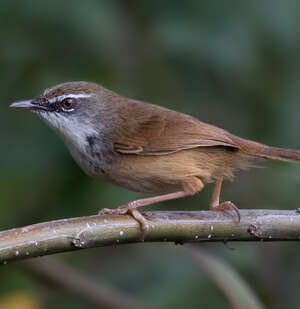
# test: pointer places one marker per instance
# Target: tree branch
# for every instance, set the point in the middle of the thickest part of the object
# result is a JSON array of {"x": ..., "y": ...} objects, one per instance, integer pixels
[{"x": 176, "y": 226}]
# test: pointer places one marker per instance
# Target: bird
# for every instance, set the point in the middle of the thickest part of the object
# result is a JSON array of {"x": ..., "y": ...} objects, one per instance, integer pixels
[{"x": 144, "y": 147}]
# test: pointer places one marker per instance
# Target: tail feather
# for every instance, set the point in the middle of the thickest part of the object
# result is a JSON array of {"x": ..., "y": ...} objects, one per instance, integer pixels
[{"x": 263, "y": 151}]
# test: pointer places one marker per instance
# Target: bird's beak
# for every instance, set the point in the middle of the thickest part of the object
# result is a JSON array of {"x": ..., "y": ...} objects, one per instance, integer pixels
[
  {"x": 28, "y": 104},
  {"x": 23, "y": 104}
]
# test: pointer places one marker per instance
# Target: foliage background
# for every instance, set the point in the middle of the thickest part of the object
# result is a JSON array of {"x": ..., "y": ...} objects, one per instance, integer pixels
[{"x": 235, "y": 64}]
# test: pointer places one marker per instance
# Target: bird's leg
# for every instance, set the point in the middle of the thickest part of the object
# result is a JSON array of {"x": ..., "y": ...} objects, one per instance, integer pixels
[
  {"x": 190, "y": 186},
  {"x": 131, "y": 207},
  {"x": 215, "y": 200}
]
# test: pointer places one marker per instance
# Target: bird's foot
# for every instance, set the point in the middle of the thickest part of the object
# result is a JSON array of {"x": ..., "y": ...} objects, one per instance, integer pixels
[
  {"x": 225, "y": 206},
  {"x": 132, "y": 211}
]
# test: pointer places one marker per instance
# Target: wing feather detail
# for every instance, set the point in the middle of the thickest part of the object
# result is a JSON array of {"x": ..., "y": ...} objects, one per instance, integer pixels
[{"x": 159, "y": 131}]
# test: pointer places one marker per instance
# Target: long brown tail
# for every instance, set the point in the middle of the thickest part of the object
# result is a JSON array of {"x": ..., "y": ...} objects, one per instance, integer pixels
[{"x": 263, "y": 151}]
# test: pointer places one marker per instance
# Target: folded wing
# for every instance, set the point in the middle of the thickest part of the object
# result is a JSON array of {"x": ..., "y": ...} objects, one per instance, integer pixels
[{"x": 158, "y": 131}]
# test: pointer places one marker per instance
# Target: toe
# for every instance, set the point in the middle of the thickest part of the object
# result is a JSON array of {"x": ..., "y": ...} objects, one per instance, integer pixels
[
  {"x": 141, "y": 220},
  {"x": 122, "y": 210},
  {"x": 228, "y": 205},
  {"x": 105, "y": 211}
]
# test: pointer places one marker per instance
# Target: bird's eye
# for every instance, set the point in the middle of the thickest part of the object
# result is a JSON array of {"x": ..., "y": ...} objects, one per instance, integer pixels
[{"x": 68, "y": 104}]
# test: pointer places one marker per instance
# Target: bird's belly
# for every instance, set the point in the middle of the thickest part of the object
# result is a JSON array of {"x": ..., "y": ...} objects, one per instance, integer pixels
[
  {"x": 167, "y": 173},
  {"x": 157, "y": 174}
]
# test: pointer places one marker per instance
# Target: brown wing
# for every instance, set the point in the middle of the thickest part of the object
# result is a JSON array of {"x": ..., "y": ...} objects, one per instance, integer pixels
[{"x": 159, "y": 131}]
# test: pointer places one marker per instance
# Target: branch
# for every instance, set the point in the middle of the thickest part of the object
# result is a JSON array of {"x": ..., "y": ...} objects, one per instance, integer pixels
[{"x": 176, "y": 226}]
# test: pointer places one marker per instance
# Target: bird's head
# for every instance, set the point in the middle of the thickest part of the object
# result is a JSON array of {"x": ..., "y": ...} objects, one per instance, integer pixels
[{"x": 72, "y": 109}]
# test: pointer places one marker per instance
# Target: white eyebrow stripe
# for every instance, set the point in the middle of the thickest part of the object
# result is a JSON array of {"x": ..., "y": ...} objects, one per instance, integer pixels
[{"x": 70, "y": 95}]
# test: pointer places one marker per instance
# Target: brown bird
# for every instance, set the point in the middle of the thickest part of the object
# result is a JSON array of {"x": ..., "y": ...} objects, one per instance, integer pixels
[{"x": 144, "y": 147}]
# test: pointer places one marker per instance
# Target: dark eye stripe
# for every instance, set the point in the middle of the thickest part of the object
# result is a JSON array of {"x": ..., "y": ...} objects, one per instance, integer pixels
[{"x": 55, "y": 104}]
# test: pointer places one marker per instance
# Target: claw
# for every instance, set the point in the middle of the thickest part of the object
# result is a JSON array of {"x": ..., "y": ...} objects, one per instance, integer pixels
[
  {"x": 228, "y": 206},
  {"x": 122, "y": 210}
]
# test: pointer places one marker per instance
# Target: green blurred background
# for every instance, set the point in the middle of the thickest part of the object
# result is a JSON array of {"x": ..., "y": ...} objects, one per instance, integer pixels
[{"x": 235, "y": 64}]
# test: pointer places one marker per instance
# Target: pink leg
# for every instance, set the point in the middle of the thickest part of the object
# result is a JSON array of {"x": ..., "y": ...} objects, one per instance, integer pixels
[
  {"x": 131, "y": 207},
  {"x": 215, "y": 201},
  {"x": 190, "y": 185}
]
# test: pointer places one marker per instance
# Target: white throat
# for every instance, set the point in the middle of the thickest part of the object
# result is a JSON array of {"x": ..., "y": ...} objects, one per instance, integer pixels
[{"x": 73, "y": 131}]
